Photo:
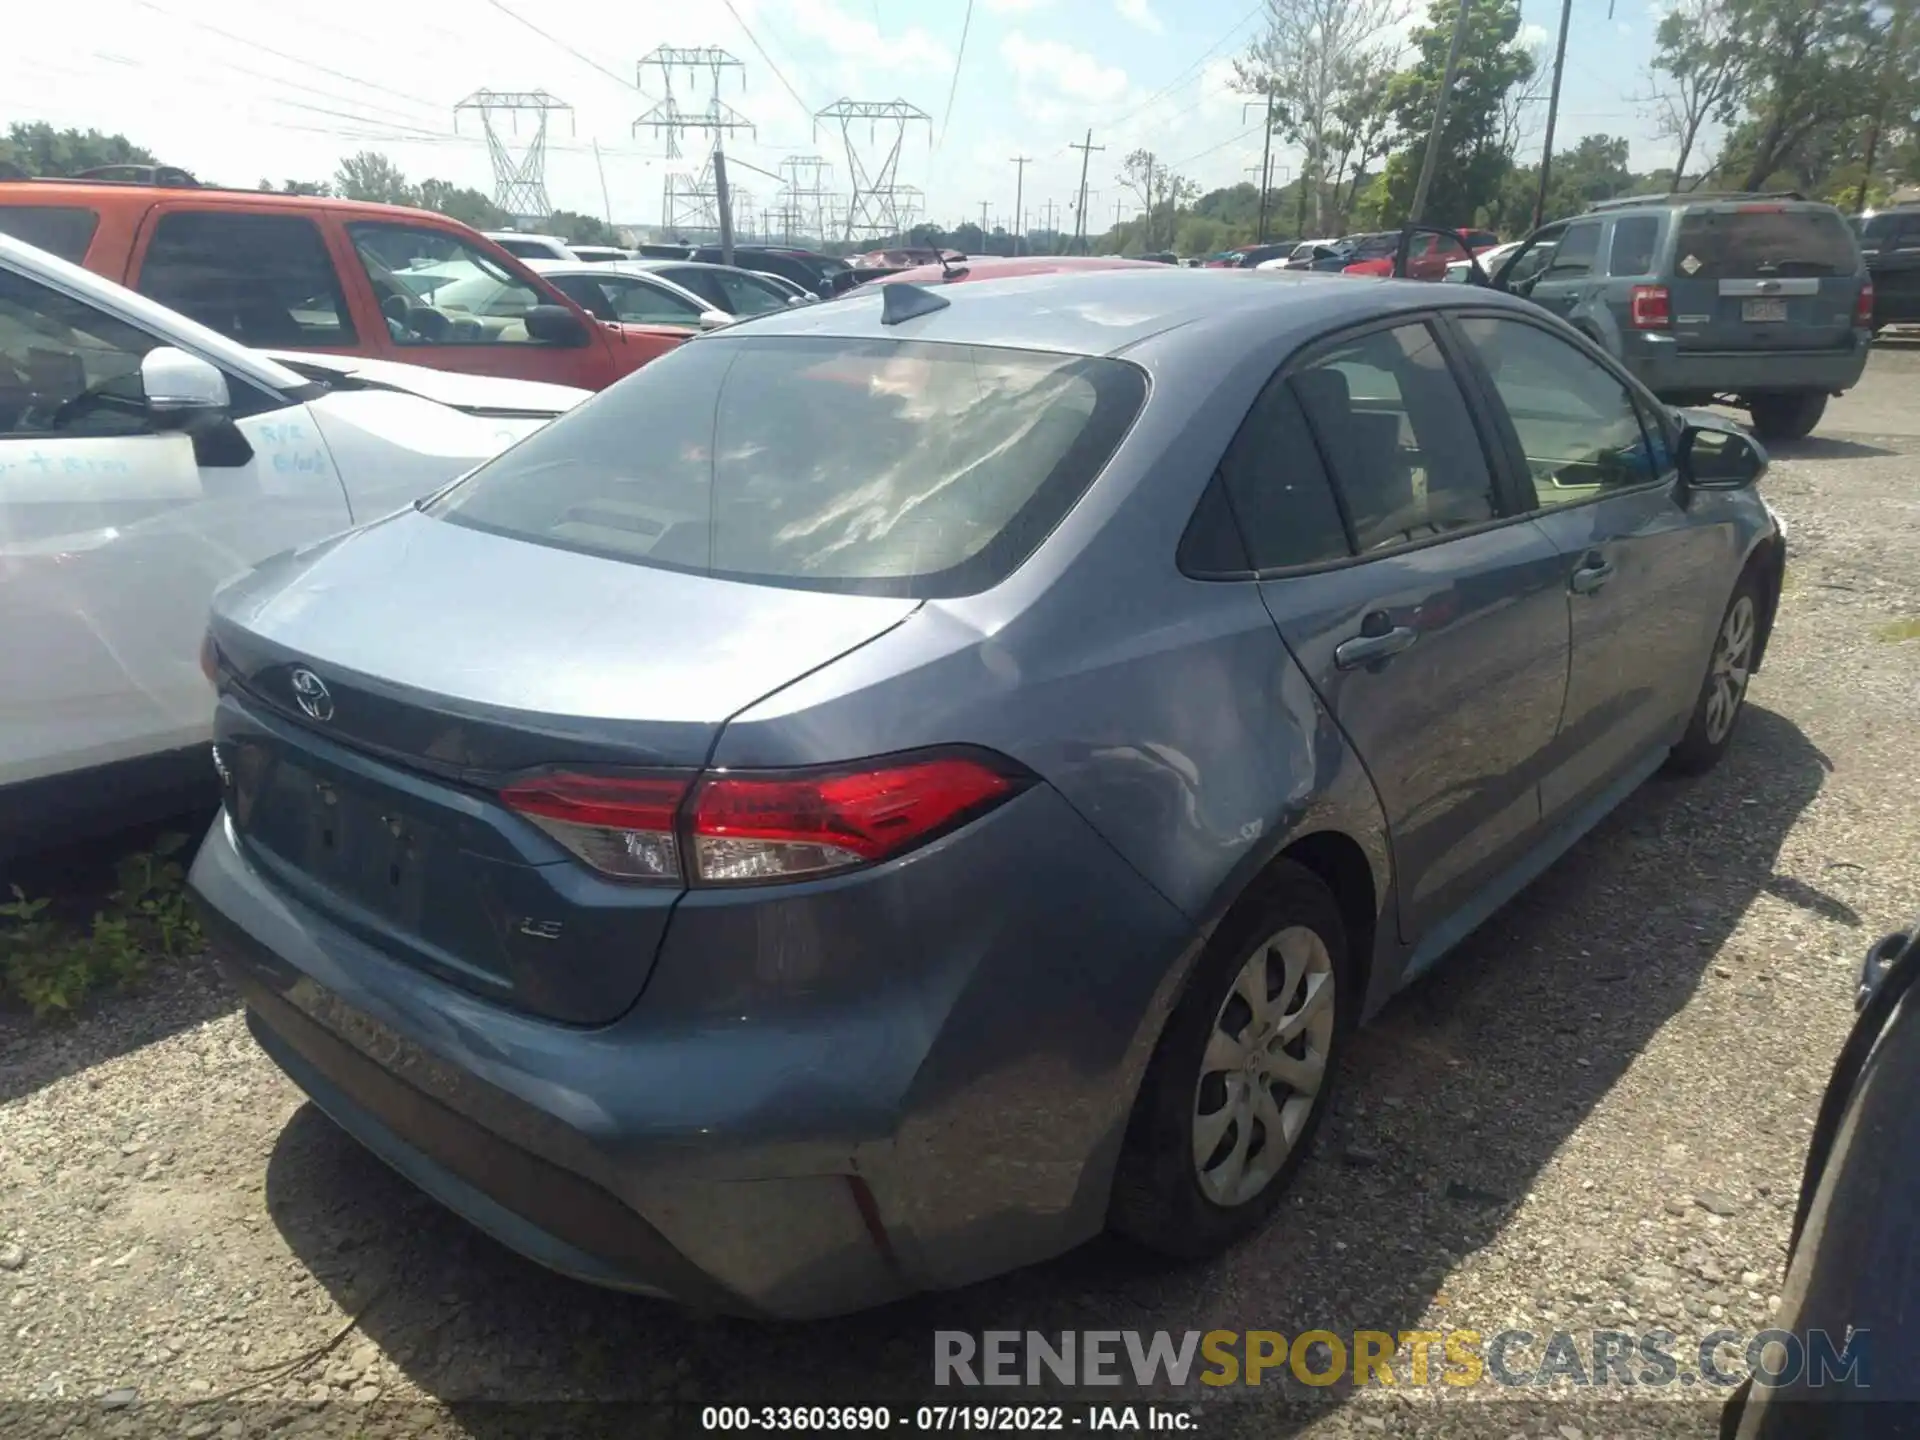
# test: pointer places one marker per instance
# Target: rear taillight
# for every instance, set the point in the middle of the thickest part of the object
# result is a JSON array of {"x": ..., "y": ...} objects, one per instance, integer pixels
[
  {"x": 1652, "y": 307},
  {"x": 1863, "y": 307},
  {"x": 733, "y": 827},
  {"x": 621, "y": 825}
]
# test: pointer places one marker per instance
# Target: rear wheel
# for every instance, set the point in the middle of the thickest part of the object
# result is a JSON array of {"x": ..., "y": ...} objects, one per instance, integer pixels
[
  {"x": 1242, "y": 1076},
  {"x": 1723, "y": 693},
  {"x": 1786, "y": 415}
]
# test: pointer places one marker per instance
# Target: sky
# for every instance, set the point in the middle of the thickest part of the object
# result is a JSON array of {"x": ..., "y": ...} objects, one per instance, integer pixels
[{"x": 247, "y": 90}]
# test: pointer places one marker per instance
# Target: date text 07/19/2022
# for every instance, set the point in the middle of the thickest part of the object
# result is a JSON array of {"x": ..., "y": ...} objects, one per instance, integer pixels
[{"x": 979, "y": 1419}]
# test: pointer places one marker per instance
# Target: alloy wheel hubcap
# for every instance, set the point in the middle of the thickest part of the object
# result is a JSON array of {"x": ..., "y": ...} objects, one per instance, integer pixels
[
  {"x": 1732, "y": 665},
  {"x": 1264, "y": 1065}
]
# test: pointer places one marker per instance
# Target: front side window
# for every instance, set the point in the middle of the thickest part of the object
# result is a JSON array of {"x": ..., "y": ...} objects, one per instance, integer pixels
[
  {"x": 264, "y": 280},
  {"x": 66, "y": 369},
  {"x": 749, "y": 296},
  {"x": 876, "y": 467},
  {"x": 435, "y": 289},
  {"x": 1393, "y": 426},
  {"x": 1534, "y": 256},
  {"x": 639, "y": 302},
  {"x": 1577, "y": 422},
  {"x": 1574, "y": 255}
]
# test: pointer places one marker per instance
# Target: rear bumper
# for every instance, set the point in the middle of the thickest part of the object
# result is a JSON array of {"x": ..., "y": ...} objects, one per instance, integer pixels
[
  {"x": 783, "y": 1146},
  {"x": 1668, "y": 371}
]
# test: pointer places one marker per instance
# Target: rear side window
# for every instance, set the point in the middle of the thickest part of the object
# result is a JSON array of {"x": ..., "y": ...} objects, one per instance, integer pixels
[
  {"x": 1393, "y": 426},
  {"x": 265, "y": 280},
  {"x": 1634, "y": 237},
  {"x": 63, "y": 230},
  {"x": 874, "y": 467},
  {"x": 1744, "y": 244},
  {"x": 1277, "y": 488},
  {"x": 1575, "y": 255}
]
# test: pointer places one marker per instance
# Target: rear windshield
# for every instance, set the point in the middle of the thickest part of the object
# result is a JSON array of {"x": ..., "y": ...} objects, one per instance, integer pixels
[
  {"x": 874, "y": 467},
  {"x": 63, "y": 230},
  {"x": 1742, "y": 244}
]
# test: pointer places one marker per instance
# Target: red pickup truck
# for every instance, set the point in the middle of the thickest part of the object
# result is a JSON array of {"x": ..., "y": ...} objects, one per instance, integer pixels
[{"x": 295, "y": 272}]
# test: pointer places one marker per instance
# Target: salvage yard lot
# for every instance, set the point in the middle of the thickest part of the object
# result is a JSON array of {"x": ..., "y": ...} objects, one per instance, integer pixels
[{"x": 1593, "y": 1117}]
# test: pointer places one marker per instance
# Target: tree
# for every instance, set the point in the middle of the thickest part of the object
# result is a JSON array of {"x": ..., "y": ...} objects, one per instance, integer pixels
[
  {"x": 1159, "y": 192},
  {"x": 469, "y": 207},
  {"x": 370, "y": 175},
  {"x": 577, "y": 229},
  {"x": 297, "y": 187},
  {"x": 1309, "y": 55},
  {"x": 39, "y": 149},
  {"x": 1704, "y": 62},
  {"x": 1362, "y": 125},
  {"x": 1472, "y": 164},
  {"x": 1805, "y": 67}
]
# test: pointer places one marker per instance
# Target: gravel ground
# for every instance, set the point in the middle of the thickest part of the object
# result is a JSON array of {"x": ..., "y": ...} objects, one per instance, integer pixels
[{"x": 1592, "y": 1118}]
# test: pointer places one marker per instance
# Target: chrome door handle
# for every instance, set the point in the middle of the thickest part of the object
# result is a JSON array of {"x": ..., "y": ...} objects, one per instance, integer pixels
[
  {"x": 1365, "y": 649},
  {"x": 1591, "y": 576}
]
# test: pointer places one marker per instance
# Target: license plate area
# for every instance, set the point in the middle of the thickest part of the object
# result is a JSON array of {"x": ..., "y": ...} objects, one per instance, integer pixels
[{"x": 1763, "y": 310}]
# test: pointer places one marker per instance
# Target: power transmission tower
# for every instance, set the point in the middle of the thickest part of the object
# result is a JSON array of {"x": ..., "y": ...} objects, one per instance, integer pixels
[
  {"x": 1087, "y": 151},
  {"x": 803, "y": 195},
  {"x": 519, "y": 181},
  {"x": 1020, "y": 163},
  {"x": 874, "y": 209},
  {"x": 669, "y": 116}
]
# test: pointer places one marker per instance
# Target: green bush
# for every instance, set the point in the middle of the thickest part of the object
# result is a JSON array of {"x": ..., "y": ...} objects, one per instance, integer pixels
[{"x": 53, "y": 966}]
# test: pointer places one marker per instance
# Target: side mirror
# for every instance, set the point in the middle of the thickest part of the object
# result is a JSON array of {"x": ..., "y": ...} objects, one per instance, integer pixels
[
  {"x": 556, "y": 325},
  {"x": 714, "y": 319},
  {"x": 180, "y": 387},
  {"x": 1713, "y": 458}
]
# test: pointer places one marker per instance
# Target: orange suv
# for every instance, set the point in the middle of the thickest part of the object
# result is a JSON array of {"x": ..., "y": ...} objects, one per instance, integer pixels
[{"x": 294, "y": 272}]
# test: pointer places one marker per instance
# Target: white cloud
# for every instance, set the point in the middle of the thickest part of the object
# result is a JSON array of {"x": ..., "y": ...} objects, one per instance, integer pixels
[
  {"x": 1051, "y": 65},
  {"x": 1532, "y": 36},
  {"x": 857, "y": 41},
  {"x": 1138, "y": 12}
]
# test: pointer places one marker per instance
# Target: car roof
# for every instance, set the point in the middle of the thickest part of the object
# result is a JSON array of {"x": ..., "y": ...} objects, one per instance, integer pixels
[
  {"x": 523, "y": 235},
  {"x": 1000, "y": 267},
  {"x": 1108, "y": 310},
  {"x": 654, "y": 262},
  {"x": 107, "y": 194}
]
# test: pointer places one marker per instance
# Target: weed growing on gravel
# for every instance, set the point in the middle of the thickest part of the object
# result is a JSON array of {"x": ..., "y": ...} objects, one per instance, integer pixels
[
  {"x": 1900, "y": 630},
  {"x": 52, "y": 965}
]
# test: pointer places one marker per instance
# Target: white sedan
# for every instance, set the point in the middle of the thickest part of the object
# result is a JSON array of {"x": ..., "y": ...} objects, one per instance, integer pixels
[{"x": 143, "y": 460}]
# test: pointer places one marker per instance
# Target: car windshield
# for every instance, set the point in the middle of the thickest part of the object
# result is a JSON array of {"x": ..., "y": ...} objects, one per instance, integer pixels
[
  {"x": 1371, "y": 247},
  {"x": 1761, "y": 241},
  {"x": 862, "y": 466}
]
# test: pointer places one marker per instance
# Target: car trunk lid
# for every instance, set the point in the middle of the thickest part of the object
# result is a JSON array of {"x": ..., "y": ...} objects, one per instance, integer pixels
[
  {"x": 1767, "y": 275},
  {"x": 390, "y": 682}
]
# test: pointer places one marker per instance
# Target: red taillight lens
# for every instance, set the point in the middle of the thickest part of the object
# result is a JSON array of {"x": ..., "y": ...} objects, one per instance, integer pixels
[
  {"x": 621, "y": 825},
  {"x": 1652, "y": 308},
  {"x": 749, "y": 827},
  {"x": 1863, "y": 307},
  {"x": 742, "y": 827}
]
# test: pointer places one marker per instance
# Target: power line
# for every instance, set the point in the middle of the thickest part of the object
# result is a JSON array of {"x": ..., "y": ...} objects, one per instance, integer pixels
[
  {"x": 1173, "y": 164},
  {"x": 953, "y": 85},
  {"x": 761, "y": 51},
  {"x": 1181, "y": 78},
  {"x": 556, "y": 41}
]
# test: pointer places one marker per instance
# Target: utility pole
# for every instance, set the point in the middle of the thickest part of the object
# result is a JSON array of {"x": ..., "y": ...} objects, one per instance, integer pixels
[
  {"x": 1880, "y": 103},
  {"x": 1119, "y": 201},
  {"x": 605, "y": 203},
  {"x": 1553, "y": 113},
  {"x": 1020, "y": 163},
  {"x": 1266, "y": 161},
  {"x": 1440, "y": 113},
  {"x": 723, "y": 200},
  {"x": 1086, "y": 149},
  {"x": 983, "y": 224},
  {"x": 1146, "y": 240}
]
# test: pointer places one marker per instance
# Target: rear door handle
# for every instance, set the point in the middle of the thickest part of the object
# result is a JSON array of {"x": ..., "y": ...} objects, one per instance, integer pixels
[
  {"x": 1364, "y": 649},
  {"x": 1592, "y": 574}
]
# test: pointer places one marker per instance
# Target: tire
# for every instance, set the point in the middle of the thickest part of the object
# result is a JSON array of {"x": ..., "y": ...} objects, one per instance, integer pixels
[
  {"x": 1723, "y": 691},
  {"x": 1168, "y": 1197},
  {"x": 1786, "y": 415}
]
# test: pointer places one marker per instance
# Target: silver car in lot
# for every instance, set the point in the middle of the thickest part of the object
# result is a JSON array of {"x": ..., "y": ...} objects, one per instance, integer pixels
[{"x": 891, "y": 790}]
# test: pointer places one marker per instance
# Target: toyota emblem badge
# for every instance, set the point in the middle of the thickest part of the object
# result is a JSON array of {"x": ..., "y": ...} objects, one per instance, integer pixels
[{"x": 311, "y": 692}]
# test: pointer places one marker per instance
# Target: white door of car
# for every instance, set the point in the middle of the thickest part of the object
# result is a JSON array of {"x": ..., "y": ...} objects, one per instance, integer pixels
[{"x": 114, "y": 535}]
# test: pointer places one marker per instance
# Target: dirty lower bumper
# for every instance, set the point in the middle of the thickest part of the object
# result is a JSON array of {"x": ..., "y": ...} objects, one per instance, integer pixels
[
  {"x": 786, "y": 1151},
  {"x": 1669, "y": 371}
]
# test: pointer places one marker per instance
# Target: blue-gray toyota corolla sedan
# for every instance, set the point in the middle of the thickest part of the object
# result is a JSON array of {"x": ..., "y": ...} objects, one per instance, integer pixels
[{"x": 891, "y": 789}]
